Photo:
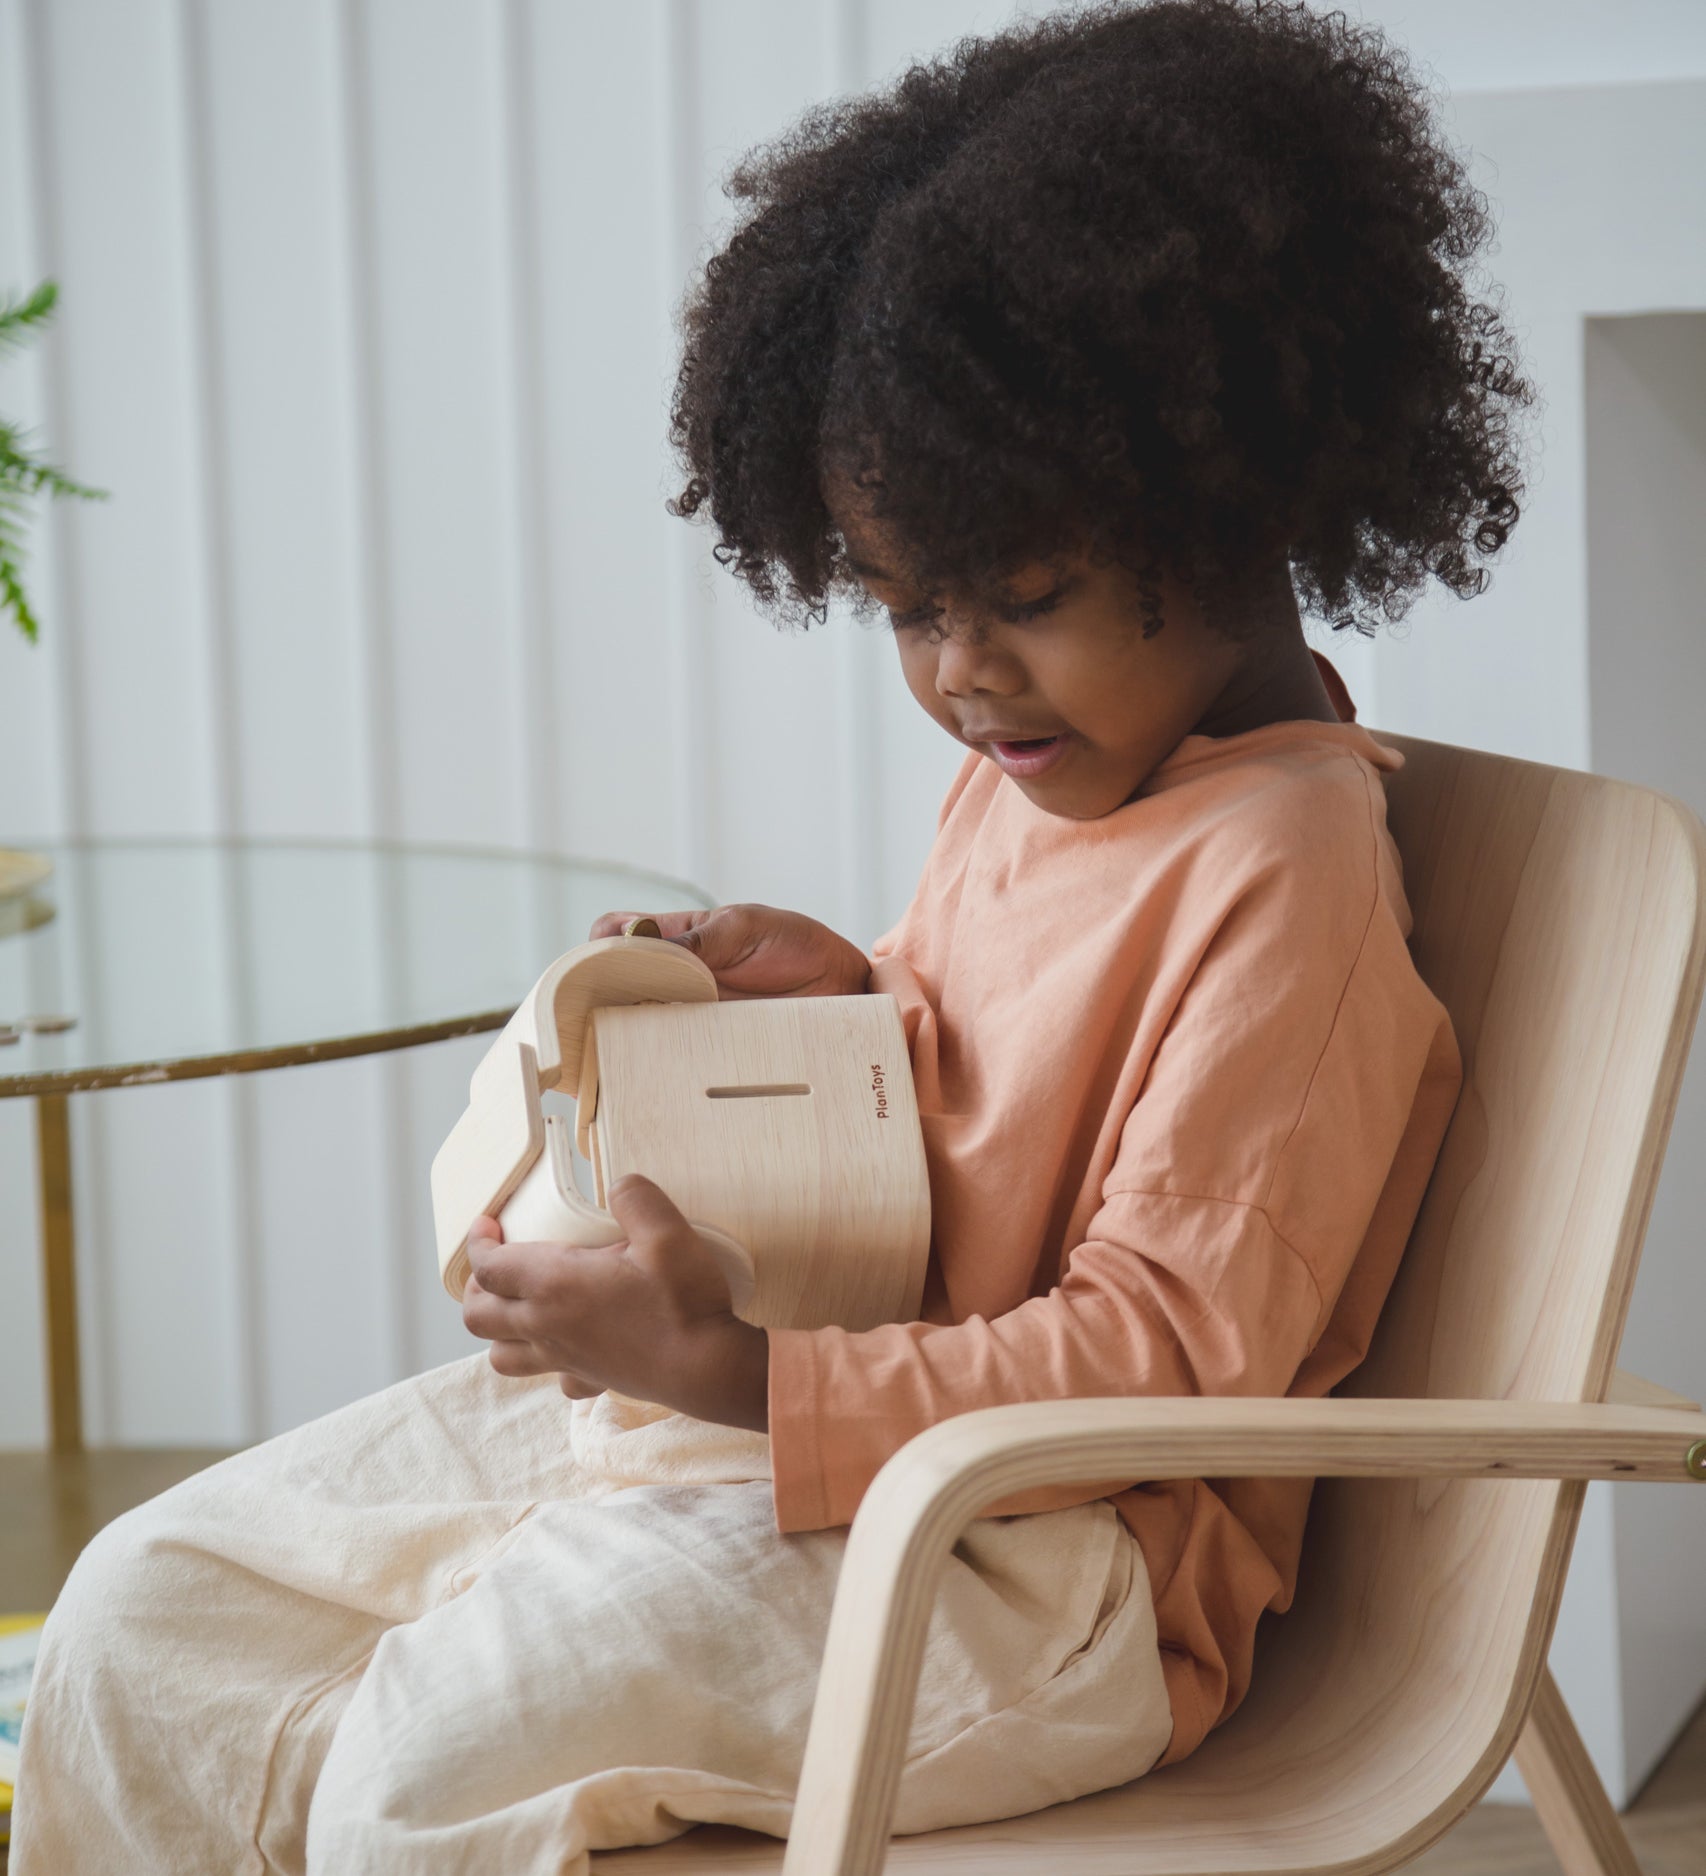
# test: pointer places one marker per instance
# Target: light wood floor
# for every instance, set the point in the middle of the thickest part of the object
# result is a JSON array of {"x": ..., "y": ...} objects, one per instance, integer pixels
[{"x": 49, "y": 1508}]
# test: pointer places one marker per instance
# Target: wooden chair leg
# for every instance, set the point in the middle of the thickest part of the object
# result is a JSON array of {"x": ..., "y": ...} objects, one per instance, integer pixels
[{"x": 1585, "y": 1832}]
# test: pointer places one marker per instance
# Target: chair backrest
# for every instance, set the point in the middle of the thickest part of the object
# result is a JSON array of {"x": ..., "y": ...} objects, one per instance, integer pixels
[{"x": 1561, "y": 918}]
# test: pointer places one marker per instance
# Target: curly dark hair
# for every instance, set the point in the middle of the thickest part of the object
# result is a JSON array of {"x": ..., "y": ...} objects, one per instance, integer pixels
[{"x": 1180, "y": 284}]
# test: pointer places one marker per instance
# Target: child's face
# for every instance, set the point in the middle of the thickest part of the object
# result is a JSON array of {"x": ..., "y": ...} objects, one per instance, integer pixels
[{"x": 1056, "y": 682}]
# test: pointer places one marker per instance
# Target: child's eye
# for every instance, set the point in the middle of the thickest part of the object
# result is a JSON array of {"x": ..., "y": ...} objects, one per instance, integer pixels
[
  {"x": 1033, "y": 608},
  {"x": 921, "y": 615}
]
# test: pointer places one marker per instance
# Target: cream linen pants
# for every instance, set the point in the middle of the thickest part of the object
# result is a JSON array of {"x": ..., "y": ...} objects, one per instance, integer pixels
[{"x": 415, "y": 1635}]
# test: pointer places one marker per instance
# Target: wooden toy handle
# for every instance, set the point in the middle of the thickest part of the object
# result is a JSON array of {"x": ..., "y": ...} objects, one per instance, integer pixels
[{"x": 501, "y": 1135}]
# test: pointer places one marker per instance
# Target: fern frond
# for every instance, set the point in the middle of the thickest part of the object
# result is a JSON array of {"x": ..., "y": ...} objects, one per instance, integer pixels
[
  {"x": 32, "y": 475},
  {"x": 20, "y": 318},
  {"x": 24, "y": 473},
  {"x": 11, "y": 523},
  {"x": 12, "y": 600}
]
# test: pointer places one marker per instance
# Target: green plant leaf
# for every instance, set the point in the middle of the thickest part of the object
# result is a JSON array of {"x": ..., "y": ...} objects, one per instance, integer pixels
[
  {"x": 13, "y": 600},
  {"x": 23, "y": 472},
  {"x": 20, "y": 318}
]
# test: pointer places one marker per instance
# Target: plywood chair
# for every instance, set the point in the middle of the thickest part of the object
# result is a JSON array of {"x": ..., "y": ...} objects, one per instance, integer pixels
[{"x": 1561, "y": 917}]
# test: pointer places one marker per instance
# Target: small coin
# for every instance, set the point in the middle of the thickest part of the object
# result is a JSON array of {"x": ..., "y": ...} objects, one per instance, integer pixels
[
  {"x": 47, "y": 1025},
  {"x": 642, "y": 928}
]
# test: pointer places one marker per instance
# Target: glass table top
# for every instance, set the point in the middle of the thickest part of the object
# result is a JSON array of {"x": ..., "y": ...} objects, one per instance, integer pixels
[{"x": 136, "y": 961}]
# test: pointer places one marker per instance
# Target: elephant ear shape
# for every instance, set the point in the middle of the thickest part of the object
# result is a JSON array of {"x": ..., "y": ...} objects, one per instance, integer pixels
[{"x": 501, "y": 1133}]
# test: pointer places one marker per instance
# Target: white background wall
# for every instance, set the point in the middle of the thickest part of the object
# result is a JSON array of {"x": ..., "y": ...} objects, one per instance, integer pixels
[
  {"x": 366, "y": 323},
  {"x": 1645, "y": 419}
]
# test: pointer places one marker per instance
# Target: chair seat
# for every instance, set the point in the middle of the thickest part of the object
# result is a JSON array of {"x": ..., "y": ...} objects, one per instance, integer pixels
[{"x": 1300, "y": 1778}]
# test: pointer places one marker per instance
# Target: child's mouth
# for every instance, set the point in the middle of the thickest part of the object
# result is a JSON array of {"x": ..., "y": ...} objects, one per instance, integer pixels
[{"x": 1031, "y": 756}]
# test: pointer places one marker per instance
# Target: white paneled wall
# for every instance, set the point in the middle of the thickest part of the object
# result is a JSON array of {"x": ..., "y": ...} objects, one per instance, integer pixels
[
  {"x": 367, "y": 324},
  {"x": 1644, "y": 395}
]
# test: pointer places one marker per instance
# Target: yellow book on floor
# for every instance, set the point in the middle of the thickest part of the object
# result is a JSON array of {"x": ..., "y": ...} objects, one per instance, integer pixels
[{"x": 19, "y": 1637}]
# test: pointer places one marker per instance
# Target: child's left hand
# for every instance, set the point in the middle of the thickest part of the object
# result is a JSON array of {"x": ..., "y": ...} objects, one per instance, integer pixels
[{"x": 649, "y": 1318}]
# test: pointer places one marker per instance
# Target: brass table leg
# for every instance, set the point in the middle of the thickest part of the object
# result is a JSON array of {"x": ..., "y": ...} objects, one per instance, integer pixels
[{"x": 59, "y": 1273}]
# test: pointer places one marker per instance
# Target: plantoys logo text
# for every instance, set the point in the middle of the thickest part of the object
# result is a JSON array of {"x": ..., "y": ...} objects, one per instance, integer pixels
[{"x": 879, "y": 1087}]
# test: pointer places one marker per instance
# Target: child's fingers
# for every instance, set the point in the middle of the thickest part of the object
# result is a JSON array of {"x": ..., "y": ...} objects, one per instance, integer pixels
[
  {"x": 500, "y": 1268},
  {"x": 492, "y": 1318},
  {"x": 518, "y": 1359},
  {"x": 486, "y": 1227},
  {"x": 497, "y": 1315},
  {"x": 670, "y": 924},
  {"x": 724, "y": 937}
]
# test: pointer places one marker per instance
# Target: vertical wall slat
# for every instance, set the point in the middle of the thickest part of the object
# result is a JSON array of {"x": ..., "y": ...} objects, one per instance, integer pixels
[
  {"x": 42, "y": 197},
  {"x": 691, "y": 694},
  {"x": 523, "y": 462},
  {"x": 372, "y": 539},
  {"x": 372, "y": 532},
  {"x": 34, "y": 777},
  {"x": 98, "y": 1354},
  {"x": 236, "y": 1100},
  {"x": 604, "y": 284},
  {"x": 524, "y": 452}
]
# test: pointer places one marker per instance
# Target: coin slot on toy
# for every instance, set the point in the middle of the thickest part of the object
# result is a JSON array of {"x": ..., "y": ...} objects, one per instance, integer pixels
[{"x": 762, "y": 1088}]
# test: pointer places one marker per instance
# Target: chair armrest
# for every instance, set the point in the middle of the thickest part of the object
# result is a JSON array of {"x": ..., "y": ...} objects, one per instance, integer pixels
[{"x": 922, "y": 1500}]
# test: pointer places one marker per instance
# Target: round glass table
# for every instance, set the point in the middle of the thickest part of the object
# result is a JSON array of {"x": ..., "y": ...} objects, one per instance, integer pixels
[{"x": 131, "y": 962}]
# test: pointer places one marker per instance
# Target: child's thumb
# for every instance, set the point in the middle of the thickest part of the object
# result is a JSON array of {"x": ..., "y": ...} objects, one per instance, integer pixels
[
  {"x": 707, "y": 1276},
  {"x": 642, "y": 1208}
]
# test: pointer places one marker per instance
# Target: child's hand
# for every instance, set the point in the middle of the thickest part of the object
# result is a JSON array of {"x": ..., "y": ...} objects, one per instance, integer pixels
[
  {"x": 649, "y": 1317},
  {"x": 758, "y": 951}
]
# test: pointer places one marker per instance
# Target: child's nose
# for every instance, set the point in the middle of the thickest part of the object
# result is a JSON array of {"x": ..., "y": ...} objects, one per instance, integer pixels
[{"x": 968, "y": 664}]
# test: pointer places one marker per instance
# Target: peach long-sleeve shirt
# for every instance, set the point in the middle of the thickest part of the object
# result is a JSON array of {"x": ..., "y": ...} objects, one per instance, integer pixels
[{"x": 1182, "y": 1089}]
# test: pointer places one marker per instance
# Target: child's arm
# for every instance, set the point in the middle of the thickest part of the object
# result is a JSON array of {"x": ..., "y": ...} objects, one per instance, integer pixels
[
  {"x": 1302, "y": 1087},
  {"x": 1281, "y": 1110}
]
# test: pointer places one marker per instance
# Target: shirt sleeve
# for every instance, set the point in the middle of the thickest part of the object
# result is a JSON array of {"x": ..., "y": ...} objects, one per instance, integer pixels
[{"x": 1272, "y": 1119}]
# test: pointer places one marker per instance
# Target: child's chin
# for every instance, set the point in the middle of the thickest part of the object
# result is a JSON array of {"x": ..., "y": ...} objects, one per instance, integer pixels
[{"x": 1079, "y": 797}]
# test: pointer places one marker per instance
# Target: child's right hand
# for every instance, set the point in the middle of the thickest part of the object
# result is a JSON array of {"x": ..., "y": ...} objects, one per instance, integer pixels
[{"x": 758, "y": 951}]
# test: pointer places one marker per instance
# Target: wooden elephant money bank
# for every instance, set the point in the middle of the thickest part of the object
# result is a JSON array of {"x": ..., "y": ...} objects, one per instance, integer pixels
[{"x": 786, "y": 1129}]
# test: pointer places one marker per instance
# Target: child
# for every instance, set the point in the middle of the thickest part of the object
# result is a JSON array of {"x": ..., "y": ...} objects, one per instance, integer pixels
[{"x": 1081, "y": 351}]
